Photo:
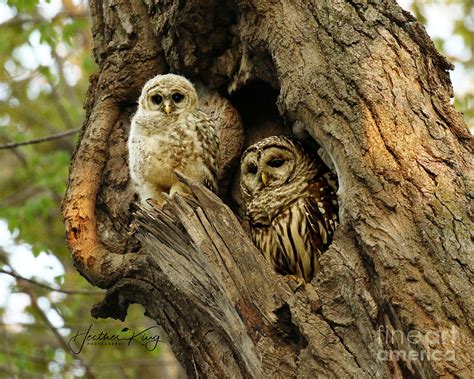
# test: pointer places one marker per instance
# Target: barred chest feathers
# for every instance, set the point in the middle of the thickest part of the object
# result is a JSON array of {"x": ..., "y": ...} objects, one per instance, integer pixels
[{"x": 286, "y": 242}]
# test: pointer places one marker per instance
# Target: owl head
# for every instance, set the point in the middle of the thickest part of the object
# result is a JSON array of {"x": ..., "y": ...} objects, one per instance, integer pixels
[
  {"x": 168, "y": 94},
  {"x": 273, "y": 163}
]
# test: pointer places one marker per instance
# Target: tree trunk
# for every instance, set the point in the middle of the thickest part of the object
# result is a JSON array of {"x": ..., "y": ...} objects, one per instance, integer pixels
[{"x": 362, "y": 79}]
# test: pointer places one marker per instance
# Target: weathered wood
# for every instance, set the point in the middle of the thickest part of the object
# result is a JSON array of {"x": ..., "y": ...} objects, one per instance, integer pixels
[
  {"x": 220, "y": 304},
  {"x": 363, "y": 80}
]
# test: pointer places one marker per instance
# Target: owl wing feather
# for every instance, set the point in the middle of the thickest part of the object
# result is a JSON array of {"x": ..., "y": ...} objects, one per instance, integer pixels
[
  {"x": 321, "y": 212},
  {"x": 207, "y": 136}
]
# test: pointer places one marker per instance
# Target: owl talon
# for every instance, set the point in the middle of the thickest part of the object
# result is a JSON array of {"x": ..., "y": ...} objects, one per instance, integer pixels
[{"x": 294, "y": 281}]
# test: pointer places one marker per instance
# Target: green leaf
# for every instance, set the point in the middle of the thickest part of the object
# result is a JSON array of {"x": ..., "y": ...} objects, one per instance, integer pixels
[
  {"x": 28, "y": 6},
  {"x": 48, "y": 34},
  {"x": 59, "y": 279}
]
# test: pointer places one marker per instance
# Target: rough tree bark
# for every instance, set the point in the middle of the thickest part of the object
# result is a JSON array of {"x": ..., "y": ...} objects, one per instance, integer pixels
[{"x": 363, "y": 80}]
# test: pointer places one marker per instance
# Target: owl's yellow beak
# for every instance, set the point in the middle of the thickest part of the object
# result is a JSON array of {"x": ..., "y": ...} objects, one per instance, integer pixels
[
  {"x": 167, "y": 108},
  {"x": 264, "y": 178}
]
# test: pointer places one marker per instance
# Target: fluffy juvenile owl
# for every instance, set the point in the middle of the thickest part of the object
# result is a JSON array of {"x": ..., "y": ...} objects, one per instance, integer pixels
[
  {"x": 168, "y": 133},
  {"x": 291, "y": 205}
]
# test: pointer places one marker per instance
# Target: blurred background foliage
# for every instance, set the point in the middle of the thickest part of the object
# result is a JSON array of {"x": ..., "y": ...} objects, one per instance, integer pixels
[
  {"x": 450, "y": 24},
  {"x": 45, "y": 62}
]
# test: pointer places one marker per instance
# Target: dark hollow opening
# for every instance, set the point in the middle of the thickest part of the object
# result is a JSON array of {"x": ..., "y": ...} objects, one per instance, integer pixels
[{"x": 256, "y": 103}]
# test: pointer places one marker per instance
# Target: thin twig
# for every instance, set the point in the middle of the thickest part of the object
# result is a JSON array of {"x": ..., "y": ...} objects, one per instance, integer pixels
[
  {"x": 13, "y": 145},
  {"x": 19, "y": 155},
  {"x": 62, "y": 341},
  {"x": 43, "y": 285}
]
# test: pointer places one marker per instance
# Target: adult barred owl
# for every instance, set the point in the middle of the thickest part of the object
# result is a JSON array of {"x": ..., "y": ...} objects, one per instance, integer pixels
[
  {"x": 167, "y": 134},
  {"x": 291, "y": 205}
]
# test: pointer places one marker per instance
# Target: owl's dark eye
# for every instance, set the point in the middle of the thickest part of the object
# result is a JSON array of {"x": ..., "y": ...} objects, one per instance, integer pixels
[
  {"x": 177, "y": 97},
  {"x": 252, "y": 169},
  {"x": 157, "y": 99},
  {"x": 276, "y": 162}
]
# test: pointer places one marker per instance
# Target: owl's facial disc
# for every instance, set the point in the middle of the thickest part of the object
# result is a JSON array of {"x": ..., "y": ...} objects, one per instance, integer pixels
[
  {"x": 169, "y": 94},
  {"x": 175, "y": 102},
  {"x": 168, "y": 102},
  {"x": 272, "y": 167},
  {"x": 154, "y": 101},
  {"x": 276, "y": 166},
  {"x": 250, "y": 174}
]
